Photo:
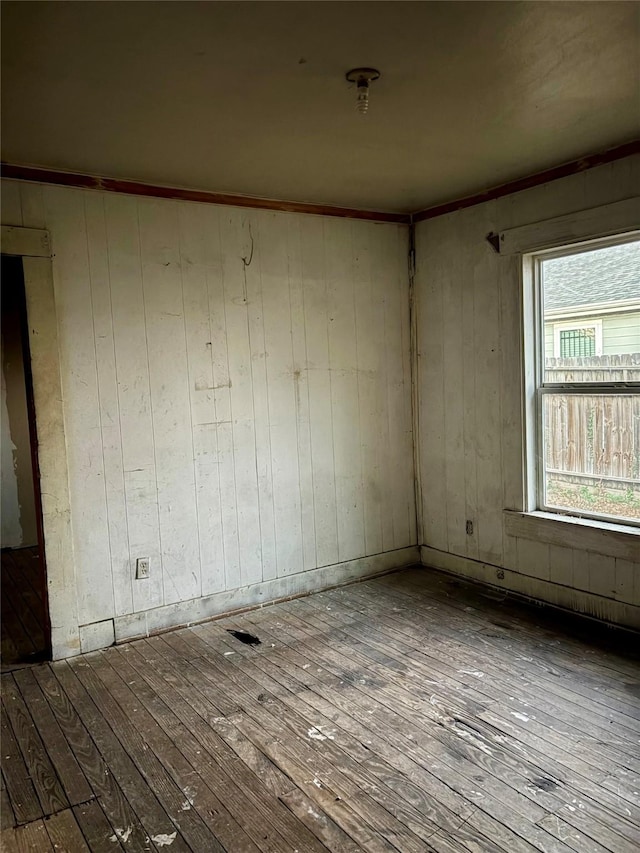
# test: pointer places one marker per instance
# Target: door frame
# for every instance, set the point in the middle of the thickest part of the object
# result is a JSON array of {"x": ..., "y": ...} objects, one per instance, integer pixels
[{"x": 33, "y": 246}]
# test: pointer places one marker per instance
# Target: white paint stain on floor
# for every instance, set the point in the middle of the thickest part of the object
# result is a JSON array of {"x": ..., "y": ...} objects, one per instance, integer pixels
[
  {"x": 121, "y": 834},
  {"x": 477, "y": 741},
  {"x": 164, "y": 840},
  {"x": 318, "y": 733},
  {"x": 190, "y": 798}
]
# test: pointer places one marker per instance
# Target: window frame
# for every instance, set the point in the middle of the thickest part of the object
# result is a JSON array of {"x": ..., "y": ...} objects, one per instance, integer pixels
[
  {"x": 576, "y": 325},
  {"x": 535, "y": 386}
]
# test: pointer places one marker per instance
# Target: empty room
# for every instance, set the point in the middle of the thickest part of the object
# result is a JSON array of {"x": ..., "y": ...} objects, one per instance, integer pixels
[{"x": 320, "y": 427}]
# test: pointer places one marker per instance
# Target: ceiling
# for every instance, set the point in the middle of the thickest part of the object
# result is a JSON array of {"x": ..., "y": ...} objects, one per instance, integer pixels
[{"x": 251, "y": 97}]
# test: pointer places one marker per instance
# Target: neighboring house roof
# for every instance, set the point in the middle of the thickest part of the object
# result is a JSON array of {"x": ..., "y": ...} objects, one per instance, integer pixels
[{"x": 603, "y": 275}]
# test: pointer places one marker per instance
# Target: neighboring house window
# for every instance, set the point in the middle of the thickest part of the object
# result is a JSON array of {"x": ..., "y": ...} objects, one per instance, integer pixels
[
  {"x": 587, "y": 405},
  {"x": 576, "y": 340}
]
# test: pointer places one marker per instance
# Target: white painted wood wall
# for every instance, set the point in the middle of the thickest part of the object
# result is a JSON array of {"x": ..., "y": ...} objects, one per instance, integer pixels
[
  {"x": 237, "y": 401},
  {"x": 236, "y": 393},
  {"x": 470, "y": 413}
]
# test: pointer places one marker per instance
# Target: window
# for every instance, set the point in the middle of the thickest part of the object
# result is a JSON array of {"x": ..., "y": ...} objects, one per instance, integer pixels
[
  {"x": 585, "y": 357},
  {"x": 572, "y": 340}
]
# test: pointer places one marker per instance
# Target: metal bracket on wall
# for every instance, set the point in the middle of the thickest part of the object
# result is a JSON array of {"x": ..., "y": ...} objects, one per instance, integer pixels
[{"x": 494, "y": 241}]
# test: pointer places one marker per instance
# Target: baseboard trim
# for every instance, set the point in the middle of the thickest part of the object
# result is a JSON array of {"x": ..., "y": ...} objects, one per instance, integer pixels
[
  {"x": 617, "y": 613},
  {"x": 96, "y": 635},
  {"x": 185, "y": 613}
]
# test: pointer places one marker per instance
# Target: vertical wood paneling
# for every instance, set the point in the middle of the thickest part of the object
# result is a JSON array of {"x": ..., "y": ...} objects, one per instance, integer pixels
[
  {"x": 10, "y": 203},
  {"x": 301, "y": 391},
  {"x": 487, "y": 386},
  {"x": 398, "y": 385},
  {"x": 405, "y": 462},
  {"x": 236, "y": 389},
  {"x": 380, "y": 427},
  {"x": 200, "y": 253},
  {"x": 602, "y": 575},
  {"x": 236, "y": 236},
  {"x": 281, "y": 379},
  {"x": 223, "y": 446},
  {"x": 627, "y": 581},
  {"x": 319, "y": 381},
  {"x": 343, "y": 371},
  {"x": 433, "y": 246},
  {"x": 109, "y": 410},
  {"x": 561, "y": 561},
  {"x": 533, "y": 559},
  {"x": 33, "y": 213},
  {"x": 170, "y": 404},
  {"x": 134, "y": 398},
  {"x": 468, "y": 296},
  {"x": 260, "y": 385},
  {"x": 72, "y": 285},
  {"x": 511, "y": 424},
  {"x": 367, "y": 316},
  {"x": 469, "y": 394},
  {"x": 459, "y": 409}
]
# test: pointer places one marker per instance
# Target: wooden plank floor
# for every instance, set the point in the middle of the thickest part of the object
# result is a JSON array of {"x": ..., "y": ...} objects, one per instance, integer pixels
[
  {"x": 23, "y": 617},
  {"x": 407, "y": 713}
]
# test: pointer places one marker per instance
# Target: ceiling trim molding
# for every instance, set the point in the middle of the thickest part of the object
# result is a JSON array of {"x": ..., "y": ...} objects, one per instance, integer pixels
[
  {"x": 563, "y": 171},
  {"x": 74, "y": 179},
  {"x": 81, "y": 181}
]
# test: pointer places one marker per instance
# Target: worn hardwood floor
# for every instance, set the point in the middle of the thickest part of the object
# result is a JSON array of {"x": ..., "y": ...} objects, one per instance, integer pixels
[
  {"x": 23, "y": 615},
  {"x": 406, "y": 713}
]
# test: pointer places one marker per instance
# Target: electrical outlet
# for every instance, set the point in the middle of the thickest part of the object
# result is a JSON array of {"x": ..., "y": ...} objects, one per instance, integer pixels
[
  {"x": 142, "y": 568},
  {"x": 469, "y": 528}
]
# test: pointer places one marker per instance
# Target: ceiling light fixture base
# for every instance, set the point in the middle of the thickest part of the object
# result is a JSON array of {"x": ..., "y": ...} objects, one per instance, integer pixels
[{"x": 362, "y": 77}]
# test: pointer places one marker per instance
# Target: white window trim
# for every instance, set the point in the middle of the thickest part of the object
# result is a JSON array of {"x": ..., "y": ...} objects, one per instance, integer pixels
[
  {"x": 575, "y": 325},
  {"x": 620, "y": 217},
  {"x": 569, "y": 531},
  {"x": 533, "y": 342}
]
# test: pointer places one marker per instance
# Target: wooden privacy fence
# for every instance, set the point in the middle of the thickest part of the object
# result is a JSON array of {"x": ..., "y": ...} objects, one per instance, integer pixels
[{"x": 594, "y": 435}]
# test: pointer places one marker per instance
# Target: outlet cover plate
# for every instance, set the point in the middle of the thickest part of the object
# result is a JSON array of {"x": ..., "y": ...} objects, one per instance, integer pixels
[{"x": 142, "y": 568}]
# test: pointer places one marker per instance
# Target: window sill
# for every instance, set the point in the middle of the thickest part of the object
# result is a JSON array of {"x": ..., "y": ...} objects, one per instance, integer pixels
[{"x": 601, "y": 537}]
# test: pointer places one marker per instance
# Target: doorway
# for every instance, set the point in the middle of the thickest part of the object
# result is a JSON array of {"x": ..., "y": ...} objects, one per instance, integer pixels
[{"x": 25, "y": 621}]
